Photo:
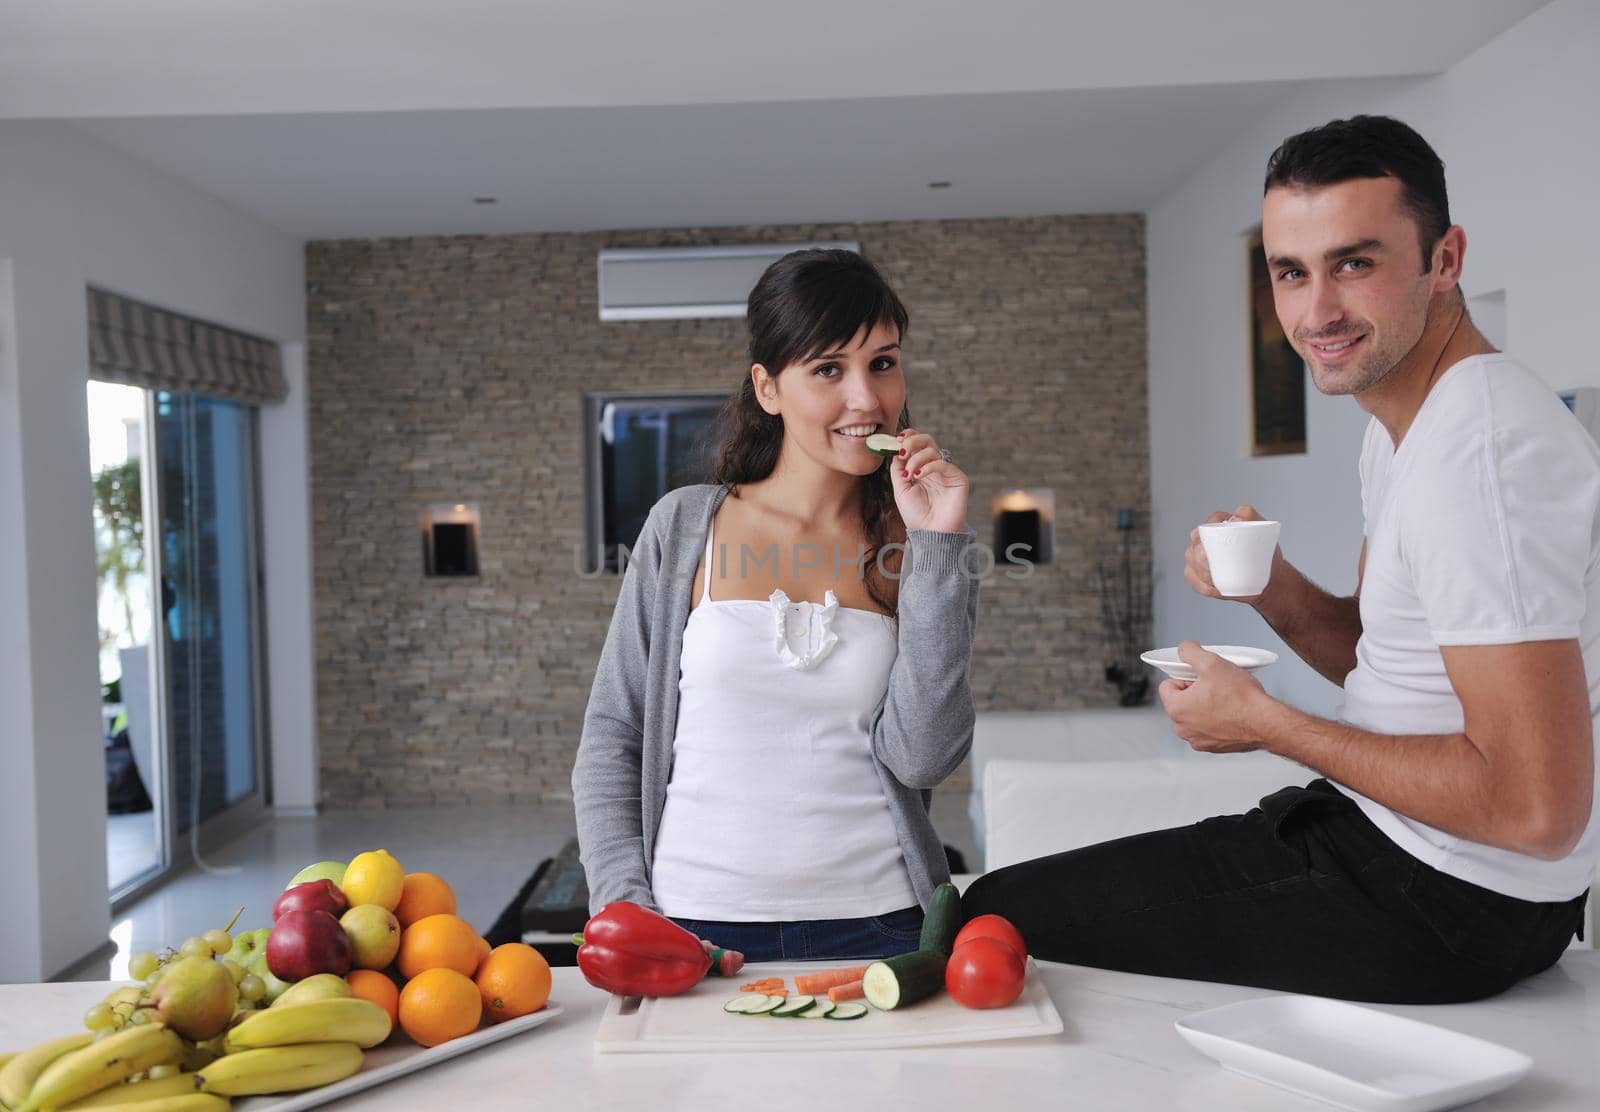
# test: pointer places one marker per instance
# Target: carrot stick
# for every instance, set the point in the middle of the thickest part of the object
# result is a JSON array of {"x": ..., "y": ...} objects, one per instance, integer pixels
[
  {"x": 815, "y": 984},
  {"x": 851, "y": 991}
]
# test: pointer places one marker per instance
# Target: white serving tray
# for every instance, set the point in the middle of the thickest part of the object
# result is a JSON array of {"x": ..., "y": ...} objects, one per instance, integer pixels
[
  {"x": 1351, "y": 1056},
  {"x": 694, "y": 1022},
  {"x": 385, "y": 1063}
]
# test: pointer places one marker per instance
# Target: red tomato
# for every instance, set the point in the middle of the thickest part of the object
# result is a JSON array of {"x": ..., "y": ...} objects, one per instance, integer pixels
[
  {"x": 984, "y": 973},
  {"x": 992, "y": 926}
]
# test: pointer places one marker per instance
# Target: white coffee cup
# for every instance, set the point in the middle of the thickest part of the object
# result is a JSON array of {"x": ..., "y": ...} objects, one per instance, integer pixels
[{"x": 1240, "y": 554}]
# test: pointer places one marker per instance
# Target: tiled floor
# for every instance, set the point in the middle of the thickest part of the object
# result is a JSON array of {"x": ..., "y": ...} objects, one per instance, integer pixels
[
  {"x": 130, "y": 846},
  {"x": 485, "y": 853}
]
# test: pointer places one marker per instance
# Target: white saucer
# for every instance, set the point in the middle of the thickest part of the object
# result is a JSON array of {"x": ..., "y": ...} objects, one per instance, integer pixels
[
  {"x": 1241, "y": 656},
  {"x": 1354, "y": 1057}
]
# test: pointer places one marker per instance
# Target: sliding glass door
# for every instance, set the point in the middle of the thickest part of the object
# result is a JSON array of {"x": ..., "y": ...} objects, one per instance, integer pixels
[
  {"x": 205, "y": 481},
  {"x": 181, "y": 643}
]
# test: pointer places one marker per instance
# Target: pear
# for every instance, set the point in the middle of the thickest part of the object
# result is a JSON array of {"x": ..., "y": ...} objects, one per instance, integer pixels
[
  {"x": 320, "y": 986},
  {"x": 196, "y": 997}
]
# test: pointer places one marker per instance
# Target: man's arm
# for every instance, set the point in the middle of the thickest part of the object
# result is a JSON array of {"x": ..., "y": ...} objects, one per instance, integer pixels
[
  {"x": 1320, "y": 627},
  {"x": 1519, "y": 776}
]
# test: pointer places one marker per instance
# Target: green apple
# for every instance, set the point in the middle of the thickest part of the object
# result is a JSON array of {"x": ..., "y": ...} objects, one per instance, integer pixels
[
  {"x": 250, "y": 952},
  {"x": 374, "y": 935},
  {"x": 322, "y": 870}
]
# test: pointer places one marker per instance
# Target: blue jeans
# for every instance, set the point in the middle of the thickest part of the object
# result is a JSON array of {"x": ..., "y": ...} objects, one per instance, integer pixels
[{"x": 876, "y": 936}]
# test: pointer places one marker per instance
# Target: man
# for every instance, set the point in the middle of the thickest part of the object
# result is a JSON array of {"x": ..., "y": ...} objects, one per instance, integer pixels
[{"x": 1448, "y": 851}]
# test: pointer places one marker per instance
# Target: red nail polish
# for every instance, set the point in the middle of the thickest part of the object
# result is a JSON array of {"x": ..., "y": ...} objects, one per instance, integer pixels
[
  {"x": 916, "y": 474},
  {"x": 902, "y": 451}
]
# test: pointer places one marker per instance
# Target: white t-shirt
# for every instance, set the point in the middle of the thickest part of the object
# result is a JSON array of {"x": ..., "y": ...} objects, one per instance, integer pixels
[{"x": 1482, "y": 529}]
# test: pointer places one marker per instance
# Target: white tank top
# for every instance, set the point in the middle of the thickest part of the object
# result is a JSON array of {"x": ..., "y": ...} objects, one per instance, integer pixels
[{"x": 774, "y": 809}]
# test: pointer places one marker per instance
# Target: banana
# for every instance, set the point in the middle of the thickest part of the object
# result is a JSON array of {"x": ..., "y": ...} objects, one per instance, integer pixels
[
  {"x": 281, "y": 1069},
  {"x": 338, "y": 1019},
  {"x": 18, "y": 1075},
  {"x": 191, "y": 1102},
  {"x": 102, "y": 1064},
  {"x": 134, "y": 1092}
]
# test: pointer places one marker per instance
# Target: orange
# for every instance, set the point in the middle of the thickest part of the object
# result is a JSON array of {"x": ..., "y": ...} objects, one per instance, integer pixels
[
  {"x": 514, "y": 980},
  {"x": 438, "y": 942},
  {"x": 483, "y": 951},
  {"x": 369, "y": 984},
  {"x": 422, "y": 895},
  {"x": 438, "y": 1005}
]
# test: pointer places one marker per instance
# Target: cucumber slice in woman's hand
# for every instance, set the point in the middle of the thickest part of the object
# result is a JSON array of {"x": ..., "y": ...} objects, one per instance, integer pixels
[{"x": 883, "y": 444}]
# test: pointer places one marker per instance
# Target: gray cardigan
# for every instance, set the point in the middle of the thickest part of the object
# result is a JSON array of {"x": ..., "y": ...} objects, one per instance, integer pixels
[{"x": 921, "y": 731}]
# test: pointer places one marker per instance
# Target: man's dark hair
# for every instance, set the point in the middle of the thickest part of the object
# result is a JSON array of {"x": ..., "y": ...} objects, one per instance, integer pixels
[{"x": 1369, "y": 147}]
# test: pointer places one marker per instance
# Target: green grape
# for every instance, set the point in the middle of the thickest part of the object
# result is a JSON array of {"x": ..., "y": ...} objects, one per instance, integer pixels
[
  {"x": 235, "y": 970},
  {"x": 140, "y": 1017},
  {"x": 220, "y": 941},
  {"x": 142, "y": 964},
  {"x": 104, "y": 1033},
  {"x": 154, "y": 977},
  {"x": 195, "y": 948},
  {"x": 167, "y": 1070},
  {"x": 99, "y": 1017},
  {"x": 252, "y": 988}
]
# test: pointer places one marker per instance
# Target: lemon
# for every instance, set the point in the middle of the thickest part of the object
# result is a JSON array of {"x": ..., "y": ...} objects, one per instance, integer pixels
[{"x": 374, "y": 877}]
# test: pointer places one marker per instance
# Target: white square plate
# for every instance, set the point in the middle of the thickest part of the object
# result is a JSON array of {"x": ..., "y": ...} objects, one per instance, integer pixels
[{"x": 1351, "y": 1056}]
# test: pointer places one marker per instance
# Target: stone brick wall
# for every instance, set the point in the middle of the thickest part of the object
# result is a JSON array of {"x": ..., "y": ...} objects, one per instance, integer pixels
[{"x": 453, "y": 369}]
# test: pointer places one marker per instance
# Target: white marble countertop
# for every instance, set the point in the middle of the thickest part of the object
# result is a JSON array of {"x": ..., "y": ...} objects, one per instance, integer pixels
[{"x": 1118, "y": 1051}]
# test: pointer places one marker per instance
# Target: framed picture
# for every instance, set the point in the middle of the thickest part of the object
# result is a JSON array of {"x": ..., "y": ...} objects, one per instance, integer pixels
[{"x": 1277, "y": 373}]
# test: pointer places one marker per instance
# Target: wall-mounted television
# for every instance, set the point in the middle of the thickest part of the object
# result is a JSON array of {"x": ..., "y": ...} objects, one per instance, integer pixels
[{"x": 637, "y": 447}]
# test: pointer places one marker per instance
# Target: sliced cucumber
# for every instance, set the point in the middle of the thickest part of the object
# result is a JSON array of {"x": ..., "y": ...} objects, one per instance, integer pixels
[
  {"x": 768, "y": 1004},
  {"x": 883, "y": 444},
  {"x": 819, "y": 1009},
  {"x": 747, "y": 1002},
  {"x": 903, "y": 979},
  {"x": 794, "y": 1006},
  {"x": 942, "y": 920},
  {"x": 848, "y": 1011}
]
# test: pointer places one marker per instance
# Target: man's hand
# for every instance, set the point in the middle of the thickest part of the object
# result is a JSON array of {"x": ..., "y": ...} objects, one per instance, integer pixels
[
  {"x": 1220, "y": 711},
  {"x": 1197, "y": 569}
]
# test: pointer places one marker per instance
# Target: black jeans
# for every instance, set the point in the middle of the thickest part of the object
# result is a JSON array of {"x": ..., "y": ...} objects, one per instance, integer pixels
[{"x": 1301, "y": 894}]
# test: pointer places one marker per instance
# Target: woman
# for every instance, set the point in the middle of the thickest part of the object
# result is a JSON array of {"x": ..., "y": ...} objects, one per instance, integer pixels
[{"x": 785, "y": 677}]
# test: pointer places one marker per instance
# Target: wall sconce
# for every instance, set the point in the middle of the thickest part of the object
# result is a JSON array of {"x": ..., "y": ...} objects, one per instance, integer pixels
[
  {"x": 1025, "y": 517},
  {"x": 450, "y": 539}
]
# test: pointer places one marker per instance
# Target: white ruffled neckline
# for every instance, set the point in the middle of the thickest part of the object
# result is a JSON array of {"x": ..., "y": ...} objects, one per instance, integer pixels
[{"x": 806, "y": 648}]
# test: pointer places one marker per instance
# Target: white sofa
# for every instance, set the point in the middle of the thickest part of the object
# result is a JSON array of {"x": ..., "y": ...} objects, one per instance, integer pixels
[{"x": 1047, "y": 781}]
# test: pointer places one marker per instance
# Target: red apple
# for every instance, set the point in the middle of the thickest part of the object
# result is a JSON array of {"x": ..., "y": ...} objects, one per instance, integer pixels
[
  {"x": 314, "y": 895},
  {"x": 305, "y": 943}
]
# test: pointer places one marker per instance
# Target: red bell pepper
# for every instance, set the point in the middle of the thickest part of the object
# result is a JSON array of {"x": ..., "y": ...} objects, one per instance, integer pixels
[{"x": 632, "y": 951}]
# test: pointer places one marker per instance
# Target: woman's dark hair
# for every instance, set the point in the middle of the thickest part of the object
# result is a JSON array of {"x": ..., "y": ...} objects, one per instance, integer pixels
[
  {"x": 1370, "y": 147},
  {"x": 806, "y": 303}
]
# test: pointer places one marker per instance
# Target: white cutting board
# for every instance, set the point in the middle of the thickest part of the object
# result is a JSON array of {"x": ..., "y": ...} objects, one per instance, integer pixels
[{"x": 694, "y": 1022}]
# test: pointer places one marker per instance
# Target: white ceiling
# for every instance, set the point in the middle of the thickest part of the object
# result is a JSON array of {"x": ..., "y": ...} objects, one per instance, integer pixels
[{"x": 338, "y": 118}]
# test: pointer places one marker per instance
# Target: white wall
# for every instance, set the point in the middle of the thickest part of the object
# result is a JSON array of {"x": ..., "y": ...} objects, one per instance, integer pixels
[
  {"x": 74, "y": 212},
  {"x": 1515, "y": 124}
]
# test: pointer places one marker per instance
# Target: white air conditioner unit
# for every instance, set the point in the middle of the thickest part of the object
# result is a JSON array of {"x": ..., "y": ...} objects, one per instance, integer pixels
[{"x": 673, "y": 283}]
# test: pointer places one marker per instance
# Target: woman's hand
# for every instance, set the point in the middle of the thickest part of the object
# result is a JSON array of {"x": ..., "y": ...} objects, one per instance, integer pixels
[
  {"x": 929, "y": 490},
  {"x": 724, "y": 963}
]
